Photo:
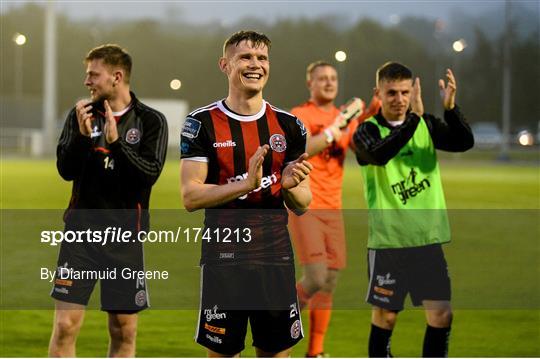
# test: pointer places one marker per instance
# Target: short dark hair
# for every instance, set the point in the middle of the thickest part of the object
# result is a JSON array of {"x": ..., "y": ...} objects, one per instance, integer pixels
[
  {"x": 393, "y": 71},
  {"x": 319, "y": 63},
  {"x": 256, "y": 38},
  {"x": 112, "y": 55}
]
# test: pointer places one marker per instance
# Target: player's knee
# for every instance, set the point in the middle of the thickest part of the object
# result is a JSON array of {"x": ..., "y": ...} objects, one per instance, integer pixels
[
  {"x": 384, "y": 318},
  {"x": 319, "y": 282},
  {"x": 389, "y": 318},
  {"x": 66, "y": 329},
  {"x": 316, "y": 280},
  {"x": 126, "y": 333},
  {"x": 442, "y": 318},
  {"x": 331, "y": 281}
]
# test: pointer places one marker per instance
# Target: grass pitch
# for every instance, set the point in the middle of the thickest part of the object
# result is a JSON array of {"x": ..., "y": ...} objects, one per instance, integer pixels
[{"x": 493, "y": 259}]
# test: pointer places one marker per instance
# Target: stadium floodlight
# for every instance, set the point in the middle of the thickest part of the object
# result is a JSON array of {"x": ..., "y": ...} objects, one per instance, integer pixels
[
  {"x": 19, "y": 39},
  {"x": 175, "y": 84},
  {"x": 340, "y": 56},
  {"x": 525, "y": 138},
  {"x": 395, "y": 19},
  {"x": 459, "y": 45}
]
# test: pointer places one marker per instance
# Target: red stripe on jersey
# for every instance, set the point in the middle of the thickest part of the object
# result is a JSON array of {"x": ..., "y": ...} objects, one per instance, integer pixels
[
  {"x": 250, "y": 135},
  {"x": 225, "y": 155},
  {"x": 278, "y": 158},
  {"x": 101, "y": 149}
]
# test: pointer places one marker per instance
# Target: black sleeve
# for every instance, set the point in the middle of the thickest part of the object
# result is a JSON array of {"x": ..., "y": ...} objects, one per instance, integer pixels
[
  {"x": 194, "y": 139},
  {"x": 146, "y": 163},
  {"x": 72, "y": 150},
  {"x": 296, "y": 141},
  {"x": 452, "y": 134},
  {"x": 370, "y": 148}
]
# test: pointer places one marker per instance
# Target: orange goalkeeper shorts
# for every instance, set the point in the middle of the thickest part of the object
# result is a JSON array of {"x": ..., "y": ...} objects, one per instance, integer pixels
[{"x": 319, "y": 236}]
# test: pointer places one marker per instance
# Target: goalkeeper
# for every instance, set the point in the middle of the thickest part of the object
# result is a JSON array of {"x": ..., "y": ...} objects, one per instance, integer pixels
[
  {"x": 407, "y": 211},
  {"x": 319, "y": 235}
]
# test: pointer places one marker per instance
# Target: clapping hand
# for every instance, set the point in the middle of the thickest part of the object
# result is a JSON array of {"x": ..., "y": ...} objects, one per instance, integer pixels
[
  {"x": 83, "y": 110},
  {"x": 448, "y": 91},
  {"x": 111, "y": 131},
  {"x": 417, "y": 106},
  {"x": 296, "y": 172},
  {"x": 255, "y": 170}
]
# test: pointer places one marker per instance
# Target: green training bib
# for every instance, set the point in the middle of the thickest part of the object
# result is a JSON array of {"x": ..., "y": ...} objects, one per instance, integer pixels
[{"x": 405, "y": 197}]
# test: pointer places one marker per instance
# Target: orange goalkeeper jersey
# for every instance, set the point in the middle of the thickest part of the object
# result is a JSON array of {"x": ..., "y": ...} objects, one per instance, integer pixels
[{"x": 327, "y": 175}]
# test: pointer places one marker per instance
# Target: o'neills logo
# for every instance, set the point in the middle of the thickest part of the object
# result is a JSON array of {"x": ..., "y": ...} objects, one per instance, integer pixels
[
  {"x": 228, "y": 143},
  {"x": 408, "y": 188},
  {"x": 265, "y": 182}
]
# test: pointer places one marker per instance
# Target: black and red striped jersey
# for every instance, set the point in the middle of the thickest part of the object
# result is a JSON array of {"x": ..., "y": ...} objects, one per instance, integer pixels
[{"x": 226, "y": 141}]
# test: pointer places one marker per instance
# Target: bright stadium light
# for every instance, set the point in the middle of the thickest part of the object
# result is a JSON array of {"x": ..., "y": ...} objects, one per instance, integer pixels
[
  {"x": 340, "y": 56},
  {"x": 459, "y": 45},
  {"x": 525, "y": 138},
  {"x": 19, "y": 39},
  {"x": 175, "y": 84},
  {"x": 395, "y": 19}
]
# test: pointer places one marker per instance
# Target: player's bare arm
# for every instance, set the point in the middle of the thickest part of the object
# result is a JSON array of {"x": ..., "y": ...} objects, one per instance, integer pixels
[
  {"x": 111, "y": 131},
  {"x": 448, "y": 90},
  {"x": 83, "y": 110},
  {"x": 417, "y": 105},
  {"x": 319, "y": 142},
  {"x": 295, "y": 183},
  {"x": 197, "y": 194}
]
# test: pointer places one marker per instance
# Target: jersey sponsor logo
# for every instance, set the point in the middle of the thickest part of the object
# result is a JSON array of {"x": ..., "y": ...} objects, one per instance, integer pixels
[
  {"x": 216, "y": 330},
  {"x": 184, "y": 147},
  {"x": 302, "y": 127},
  {"x": 265, "y": 182},
  {"x": 278, "y": 142},
  {"x": 191, "y": 128},
  {"x": 214, "y": 339},
  {"x": 133, "y": 136},
  {"x": 95, "y": 132},
  {"x": 211, "y": 314},
  {"x": 296, "y": 329},
  {"x": 383, "y": 291},
  {"x": 140, "y": 298},
  {"x": 408, "y": 188},
  {"x": 228, "y": 143},
  {"x": 381, "y": 299},
  {"x": 60, "y": 270},
  {"x": 226, "y": 255},
  {"x": 64, "y": 282},
  {"x": 385, "y": 280},
  {"x": 61, "y": 290}
]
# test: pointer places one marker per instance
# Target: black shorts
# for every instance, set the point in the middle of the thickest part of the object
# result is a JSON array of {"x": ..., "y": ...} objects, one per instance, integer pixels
[
  {"x": 420, "y": 271},
  {"x": 110, "y": 264},
  {"x": 263, "y": 294}
]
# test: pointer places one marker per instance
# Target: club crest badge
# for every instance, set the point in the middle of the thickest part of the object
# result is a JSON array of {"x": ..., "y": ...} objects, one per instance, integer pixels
[
  {"x": 133, "y": 136},
  {"x": 140, "y": 298},
  {"x": 278, "y": 143},
  {"x": 296, "y": 329}
]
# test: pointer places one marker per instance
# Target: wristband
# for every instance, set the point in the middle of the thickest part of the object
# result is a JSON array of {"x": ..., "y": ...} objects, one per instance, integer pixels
[{"x": 329, "y": 136}]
